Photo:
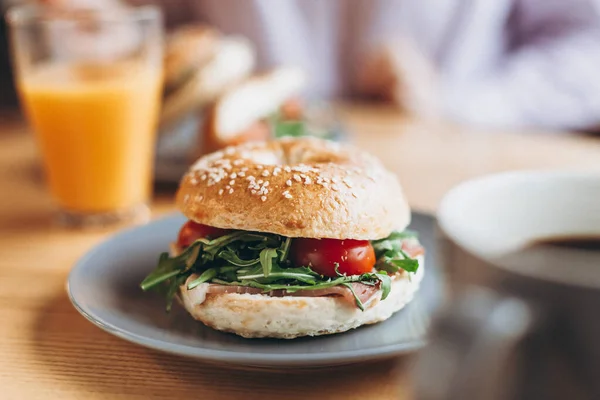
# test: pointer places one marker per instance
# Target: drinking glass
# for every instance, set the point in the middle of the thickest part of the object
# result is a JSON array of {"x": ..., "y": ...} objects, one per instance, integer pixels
[{"x": 89, "y": 81}]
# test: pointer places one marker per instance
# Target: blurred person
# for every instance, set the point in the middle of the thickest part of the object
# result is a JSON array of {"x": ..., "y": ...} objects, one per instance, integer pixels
[{"x": 502, "y": 63}]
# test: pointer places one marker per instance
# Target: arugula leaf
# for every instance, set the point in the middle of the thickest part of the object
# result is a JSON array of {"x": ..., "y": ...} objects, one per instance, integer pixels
[
  {"x": 188, "y": 259},
  {"x": 390, "y": 256},
  {"x": 230, "y": 256},
  {"x": 386, "y": 285},
  {"x": 393, "y": 265},
  {"x": 281, "y": 127},
  {"x": 260, "y": 260},
  {"x": 167, "y": 269},
  {"x": 357, "y": 300},
  {"x": 290, "y": 128},
  {"x": 302, "y": 274},
  {"x": 324, "y": 284},
  {"x": 394, "y": 241},
  {"x": 284, "y": 249},
  {"x": 204, "y": 277},
  {"x": 266, "y": 260},
  {"x": 172, "y": 289}
]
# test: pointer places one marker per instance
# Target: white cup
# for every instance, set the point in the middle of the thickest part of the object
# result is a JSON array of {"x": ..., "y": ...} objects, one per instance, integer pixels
[{"x": 520, "y": 323}]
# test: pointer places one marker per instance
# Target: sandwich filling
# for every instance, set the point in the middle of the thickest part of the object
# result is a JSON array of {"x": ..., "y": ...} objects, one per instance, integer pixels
[{"x": 232, "y": 261}]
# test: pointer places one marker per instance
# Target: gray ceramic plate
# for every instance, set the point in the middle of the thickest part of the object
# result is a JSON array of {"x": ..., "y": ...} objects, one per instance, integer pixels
[{"x": 103, "y": 286}]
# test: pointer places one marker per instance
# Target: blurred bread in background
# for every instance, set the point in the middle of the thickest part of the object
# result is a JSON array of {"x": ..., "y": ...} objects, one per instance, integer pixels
[
  {"x": 212, "y": 77},
  {"x": 240, "y": 113},
  {"x": 187, "y": 49},
  {"x": 200, "y": 64}
]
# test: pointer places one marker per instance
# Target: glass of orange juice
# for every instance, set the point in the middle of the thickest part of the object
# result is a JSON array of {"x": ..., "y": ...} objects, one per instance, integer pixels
[{"x": 89, "y": 82}]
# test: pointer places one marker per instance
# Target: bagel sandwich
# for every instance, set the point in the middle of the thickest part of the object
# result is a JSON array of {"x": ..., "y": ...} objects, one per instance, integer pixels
[
  {"x": 288, "y": 238},
  {"x": 246, "y": 111},
  {"x": 201, "y": 63}
]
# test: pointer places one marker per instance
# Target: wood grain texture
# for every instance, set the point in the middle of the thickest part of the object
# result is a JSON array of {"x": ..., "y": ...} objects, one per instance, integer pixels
[{"x": 48, "y": 351}]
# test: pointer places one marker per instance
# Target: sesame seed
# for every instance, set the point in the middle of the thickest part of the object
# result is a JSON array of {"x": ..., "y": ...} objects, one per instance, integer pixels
[
  {"x": 227, "y": 187},
  {"x": 232, "y": 182},
  {"x": 253, "y": 191},
  {"x": 242, "y": 174},
  {"x": 230, "y": 191},
  {"x": 266, "y": 184},
  {"x": 288, "y": 182},
  {"x": 260, "y": 181},
  {"x": 263, "y": 198},
  {"x": 233, "y": 175},
  {"x": 220, "y": 192},
  {"x": 186, "y": 198},
  {"x": 203, "y": 177},
  {"x": 354, "y": 194},
  {"x": 260, "y": 166},
  {"x": 265, "y": 172},
  {"x": 307, "y": 181},
  {"x": 287, "y": 195},
  {"x": 287, "y": 169},
  {"x": 238, "y": 162},
  {"x": 335, "y": 187},
  {"x": 347, "y": 182},
  {"x": 297, "y": 178}
]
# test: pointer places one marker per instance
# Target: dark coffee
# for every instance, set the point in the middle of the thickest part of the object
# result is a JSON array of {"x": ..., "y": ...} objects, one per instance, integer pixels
[
  {"x": 545, "y": 257},
  {"x": 570, "y": 242}
]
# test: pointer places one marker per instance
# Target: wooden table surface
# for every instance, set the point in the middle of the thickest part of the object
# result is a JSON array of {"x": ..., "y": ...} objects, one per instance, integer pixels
[{"x": 48, "y": 351}]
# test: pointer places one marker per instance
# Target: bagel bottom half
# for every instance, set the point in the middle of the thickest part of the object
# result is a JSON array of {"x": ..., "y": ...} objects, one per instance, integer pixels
[{"x": 260, "y": 316}]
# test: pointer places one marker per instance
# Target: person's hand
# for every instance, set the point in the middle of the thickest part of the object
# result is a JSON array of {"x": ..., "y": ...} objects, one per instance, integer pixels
[{"x": 398, "y": 72}]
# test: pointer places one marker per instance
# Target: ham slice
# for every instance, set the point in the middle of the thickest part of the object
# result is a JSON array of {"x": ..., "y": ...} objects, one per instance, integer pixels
[
  {"x": 366, "y": 293},
  {"x": 413, "y": 248}
]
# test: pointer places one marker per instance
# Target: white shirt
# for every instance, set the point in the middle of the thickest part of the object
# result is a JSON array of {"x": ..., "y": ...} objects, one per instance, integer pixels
[{"x": 502, "y": 62}]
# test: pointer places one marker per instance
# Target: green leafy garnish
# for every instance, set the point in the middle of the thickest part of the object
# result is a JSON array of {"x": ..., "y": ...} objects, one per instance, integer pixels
[
  {"x": 290, "y": 128},
  {"x": 266, "y": 260},
  {"x": 390, "y": 256},
  {"x": 206, "y": 276},
  {"x": 281, "y": 127},
  {"x": 260, "y": 260},
  {"x": 359, "y": 303}
]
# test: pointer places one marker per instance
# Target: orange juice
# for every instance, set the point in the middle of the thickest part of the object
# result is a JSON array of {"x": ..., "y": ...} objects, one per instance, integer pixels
[{"x": 96, "y": 129}]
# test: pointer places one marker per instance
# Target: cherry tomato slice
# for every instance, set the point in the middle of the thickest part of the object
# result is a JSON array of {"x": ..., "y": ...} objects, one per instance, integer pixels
[
  {"x": 192, "y": 231},
  {"x": 354, "y": 257}
]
